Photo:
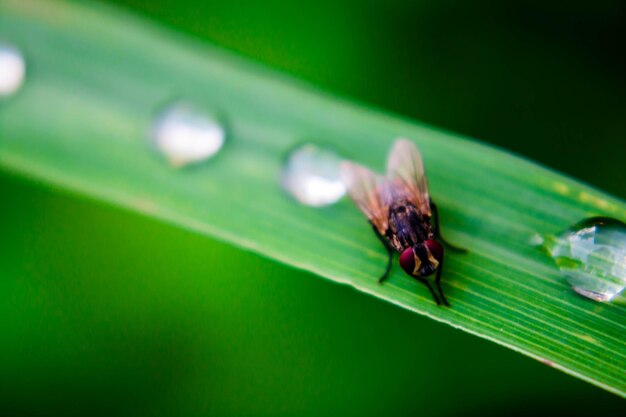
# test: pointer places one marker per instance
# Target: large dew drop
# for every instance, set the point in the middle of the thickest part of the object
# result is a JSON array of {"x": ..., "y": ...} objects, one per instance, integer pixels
[
  {"x": 187, "y": 135},
  {"x": 592, "y": 255},
  {"x": 12, "y": 70},
  {"x": 311, "y": 175}
]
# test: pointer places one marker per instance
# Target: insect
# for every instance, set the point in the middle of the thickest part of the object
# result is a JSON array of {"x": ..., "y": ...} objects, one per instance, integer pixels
[{"x": 401, "y": 212}]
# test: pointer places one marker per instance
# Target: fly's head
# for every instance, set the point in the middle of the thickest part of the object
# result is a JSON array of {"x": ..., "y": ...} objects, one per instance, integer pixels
[{"x": 422, "y": 259}]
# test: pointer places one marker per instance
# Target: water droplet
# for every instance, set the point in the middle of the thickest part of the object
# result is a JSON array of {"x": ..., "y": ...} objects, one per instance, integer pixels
[
  {"x": 592, "y": 255},
  {"x": 12, "y": 69},
  {"x": 186, "y": 134},
  {"x": 311, "y": 175}
]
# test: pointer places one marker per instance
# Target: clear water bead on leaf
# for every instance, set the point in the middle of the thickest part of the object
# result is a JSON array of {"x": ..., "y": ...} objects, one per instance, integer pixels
[
  {"x": 12, "y": 69},
  {"x": 311, "y": 175},
  {"x": 592, "y": 255},
  {"x": 186, "y": 134}
]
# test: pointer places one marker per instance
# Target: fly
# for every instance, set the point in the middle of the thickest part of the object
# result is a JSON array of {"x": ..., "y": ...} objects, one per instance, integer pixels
[{"x": 402, "y": 213}]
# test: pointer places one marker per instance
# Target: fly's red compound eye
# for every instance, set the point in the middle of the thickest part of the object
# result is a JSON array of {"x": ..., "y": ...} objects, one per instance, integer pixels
[
  {"x": 407, "y": 261},
  {"x": 435, "y": 249}
]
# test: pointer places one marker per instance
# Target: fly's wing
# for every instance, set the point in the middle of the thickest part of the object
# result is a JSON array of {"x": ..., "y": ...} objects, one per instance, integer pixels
[
  {"x": 405, "y": 172},
  {"x": 365, "y": 188}
]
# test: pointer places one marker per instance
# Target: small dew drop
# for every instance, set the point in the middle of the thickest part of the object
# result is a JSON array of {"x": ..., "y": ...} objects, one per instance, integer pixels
[
  {"x": 311, "y": 175},
  {"x": 12, "y": 69},
  {"x": 187, "y": 135},
  {"x": 592, "y": 256},
  {"x": 536, "y": 240}
]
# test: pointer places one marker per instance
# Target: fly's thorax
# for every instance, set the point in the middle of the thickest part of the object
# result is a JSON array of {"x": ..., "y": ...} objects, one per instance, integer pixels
[{"x": 407, "y": 226}]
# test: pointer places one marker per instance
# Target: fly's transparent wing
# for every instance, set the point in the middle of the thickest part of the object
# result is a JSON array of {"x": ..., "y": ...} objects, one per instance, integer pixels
[
  {"x": 366, "y": 188},
  {"x": 405, "y": 173}
]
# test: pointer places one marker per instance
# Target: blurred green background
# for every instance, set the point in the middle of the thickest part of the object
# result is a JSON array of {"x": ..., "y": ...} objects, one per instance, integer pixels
[{"x": 103, "y": 311}]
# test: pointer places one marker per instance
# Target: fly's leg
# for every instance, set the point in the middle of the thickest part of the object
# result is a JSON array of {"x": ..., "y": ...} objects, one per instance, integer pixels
[
  {"x": 425, "y": 282},
  {"x": 389, "y": 253},
  {"x": 438, "y": 283},
  {"x": 437, "y": 232}
]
